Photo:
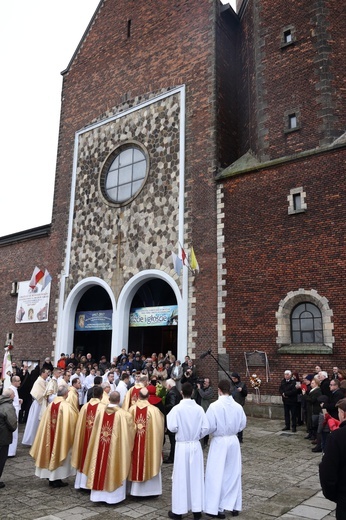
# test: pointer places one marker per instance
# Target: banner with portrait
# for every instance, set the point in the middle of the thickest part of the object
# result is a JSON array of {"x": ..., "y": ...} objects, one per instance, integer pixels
[
  {"x": 93, "y": 320},
  {"x": 32, "y": 304}
]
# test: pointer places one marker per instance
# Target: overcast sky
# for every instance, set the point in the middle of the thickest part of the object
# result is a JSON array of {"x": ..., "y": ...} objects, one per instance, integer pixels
[{"x": 38, "y": 39}]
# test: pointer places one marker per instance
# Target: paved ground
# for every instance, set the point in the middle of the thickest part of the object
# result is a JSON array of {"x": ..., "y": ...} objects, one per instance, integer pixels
[{"x": 280, "y": 480}]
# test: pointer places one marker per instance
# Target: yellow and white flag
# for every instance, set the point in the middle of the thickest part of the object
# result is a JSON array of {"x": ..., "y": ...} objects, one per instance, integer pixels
[{"x": 193, "y": 261}]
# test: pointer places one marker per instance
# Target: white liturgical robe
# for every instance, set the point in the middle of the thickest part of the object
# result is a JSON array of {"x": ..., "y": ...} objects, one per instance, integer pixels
[
  {"x": 188, "y": 421},
  {"x": 223, "y": 472},
  {"x": 12, "y": 449}
]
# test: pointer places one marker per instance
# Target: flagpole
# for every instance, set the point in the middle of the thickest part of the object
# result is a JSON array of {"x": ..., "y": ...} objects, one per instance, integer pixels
[{"x": 188, "y": 263}]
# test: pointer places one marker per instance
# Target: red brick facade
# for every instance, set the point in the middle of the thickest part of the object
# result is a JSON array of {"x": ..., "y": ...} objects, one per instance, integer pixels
[
  {"x": 268, "y": 251},
  {"x": 32, "y": 341}
]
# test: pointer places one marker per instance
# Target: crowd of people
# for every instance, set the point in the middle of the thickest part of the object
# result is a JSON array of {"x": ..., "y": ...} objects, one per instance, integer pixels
[
  {"x": 82, "y": 414},
  {"x": 310, "y": 401},
  {"x": 317, "y": 401},
  {"x": 85, "y": 414}
]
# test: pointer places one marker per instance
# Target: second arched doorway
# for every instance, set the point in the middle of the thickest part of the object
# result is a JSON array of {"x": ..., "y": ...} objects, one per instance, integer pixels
[{"x": 153, "y": 323}]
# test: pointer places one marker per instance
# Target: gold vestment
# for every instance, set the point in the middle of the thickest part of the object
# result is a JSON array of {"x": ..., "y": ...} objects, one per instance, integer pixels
[
  {"x": 73, "y": 398},
  {"x": 147, "y": 450},
  {"x": 83, "y": 431},
  {"x": 131, "y": 396},
  {"x": 108, "y": 457},
  {"x": 38, "y": 389},
  {"x": 55, "y": 435}
]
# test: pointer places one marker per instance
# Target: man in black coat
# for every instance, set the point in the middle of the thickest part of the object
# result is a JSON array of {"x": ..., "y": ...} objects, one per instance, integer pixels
[
  {"x": 324, "y": 383},
  {"x": 333, "y": 465},
  {"x": 289, "y": 394},
  {"x": 336, "y": 395},
  {"x": 173, "y": 397},
  {"x": 97, "y": 382}
]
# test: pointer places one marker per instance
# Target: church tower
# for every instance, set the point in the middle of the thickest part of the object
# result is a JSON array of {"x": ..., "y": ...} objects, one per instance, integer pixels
[{"x": 284, "y": 196}]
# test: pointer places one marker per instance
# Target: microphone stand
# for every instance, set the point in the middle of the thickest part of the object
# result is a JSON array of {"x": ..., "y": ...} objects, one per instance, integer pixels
[{"x": 214, "y": 358}]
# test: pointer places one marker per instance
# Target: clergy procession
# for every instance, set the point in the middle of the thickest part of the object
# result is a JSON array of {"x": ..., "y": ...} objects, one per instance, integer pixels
[{"x": 108, "y": 432}]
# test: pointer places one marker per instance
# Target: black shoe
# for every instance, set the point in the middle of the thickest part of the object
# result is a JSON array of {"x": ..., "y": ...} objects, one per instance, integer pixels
[
  {"x": 174, "y": 516},
  {"x": 235, "y": 513},
  {"x": 294, "y": 430},
  {"x": 197, "y": 516},
  {"x": 168, "y": 461},
  {"x": 317, "y": 449},
  {"x": 309, "y": 437},
  {"x": 285, "y": 429},
  {"x": 219, "y": 515},
  {"x": 57, "y": 483},
  {"x": 300, "y": 423},
  {"x": 2, "y": 485}
]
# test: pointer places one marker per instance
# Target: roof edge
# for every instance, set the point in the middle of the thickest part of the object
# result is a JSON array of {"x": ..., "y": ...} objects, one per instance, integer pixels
[
  {"x": 29, "y": 234},
  {"x": 242, "y": 165},
  {"x": 65, "y": 71}
]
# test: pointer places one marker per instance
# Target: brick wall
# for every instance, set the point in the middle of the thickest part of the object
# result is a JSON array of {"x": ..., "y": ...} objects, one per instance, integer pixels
[
  {"x": 303, "y": 77},
  {"x": 35, "y": 340},
  {"x": 270, "y": 253}
]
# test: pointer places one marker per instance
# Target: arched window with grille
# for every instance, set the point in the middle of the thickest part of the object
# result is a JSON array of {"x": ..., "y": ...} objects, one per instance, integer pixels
[{"x": 306, "y": 324}]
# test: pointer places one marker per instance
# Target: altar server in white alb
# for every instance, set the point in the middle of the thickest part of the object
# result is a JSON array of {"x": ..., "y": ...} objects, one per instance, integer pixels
[
  {"x": 223, "y": 473},
  {"x": 17, "y": 403},
  {"x": 188, "y": 421}
]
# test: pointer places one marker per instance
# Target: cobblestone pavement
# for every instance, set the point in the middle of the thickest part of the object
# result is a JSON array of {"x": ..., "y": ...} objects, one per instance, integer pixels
[{"x": 280, "y": 480}]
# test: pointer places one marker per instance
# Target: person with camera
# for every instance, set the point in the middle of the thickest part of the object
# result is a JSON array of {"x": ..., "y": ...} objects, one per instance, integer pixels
[{"x": 190, "y": 376}]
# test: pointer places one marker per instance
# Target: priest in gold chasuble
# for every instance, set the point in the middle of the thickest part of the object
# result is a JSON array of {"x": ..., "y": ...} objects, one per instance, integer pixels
[
  {"x": 84, "y": 429},
  {"x": 73, "y": 395},
  {"x": 108, "y": 456},
  {"x": 53, "y": 442},
  {"x": 145, "y": 471}
]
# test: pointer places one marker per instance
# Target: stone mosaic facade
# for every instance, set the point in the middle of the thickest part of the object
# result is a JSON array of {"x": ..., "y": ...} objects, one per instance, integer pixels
[{"x": 115, "y": 243}]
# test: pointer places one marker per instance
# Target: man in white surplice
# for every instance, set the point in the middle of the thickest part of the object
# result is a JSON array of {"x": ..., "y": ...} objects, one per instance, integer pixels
[
  {"x": 188, "y": 421},
  {"x": 223, "y": 473},
  {"x": 17, "y": 403}
]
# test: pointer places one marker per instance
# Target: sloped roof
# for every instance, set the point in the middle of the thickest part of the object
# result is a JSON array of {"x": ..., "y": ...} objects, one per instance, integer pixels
[{"x": 82, "y": 39}]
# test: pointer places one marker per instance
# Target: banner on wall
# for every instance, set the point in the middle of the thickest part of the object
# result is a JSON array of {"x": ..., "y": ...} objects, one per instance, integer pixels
[
  {"x": 93, "y": 320},
  {"x": 154, "y": 316},
  {"x": 32, "y": 303}
]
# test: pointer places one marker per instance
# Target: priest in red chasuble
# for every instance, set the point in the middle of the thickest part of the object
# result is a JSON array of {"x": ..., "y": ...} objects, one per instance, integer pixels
[
  {"x": 145, "y": 471},
  {"x": 108, "y": 457},
  {"x": 84, "y": 429},
  {"x": 131, "y": 396},
  {"x": 53, "y": 442}
]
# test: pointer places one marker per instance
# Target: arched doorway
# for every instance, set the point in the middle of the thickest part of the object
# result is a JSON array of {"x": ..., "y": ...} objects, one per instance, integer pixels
[
  {"x": 93, "y": 324},
  {"x": 153, "y": 324}
]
